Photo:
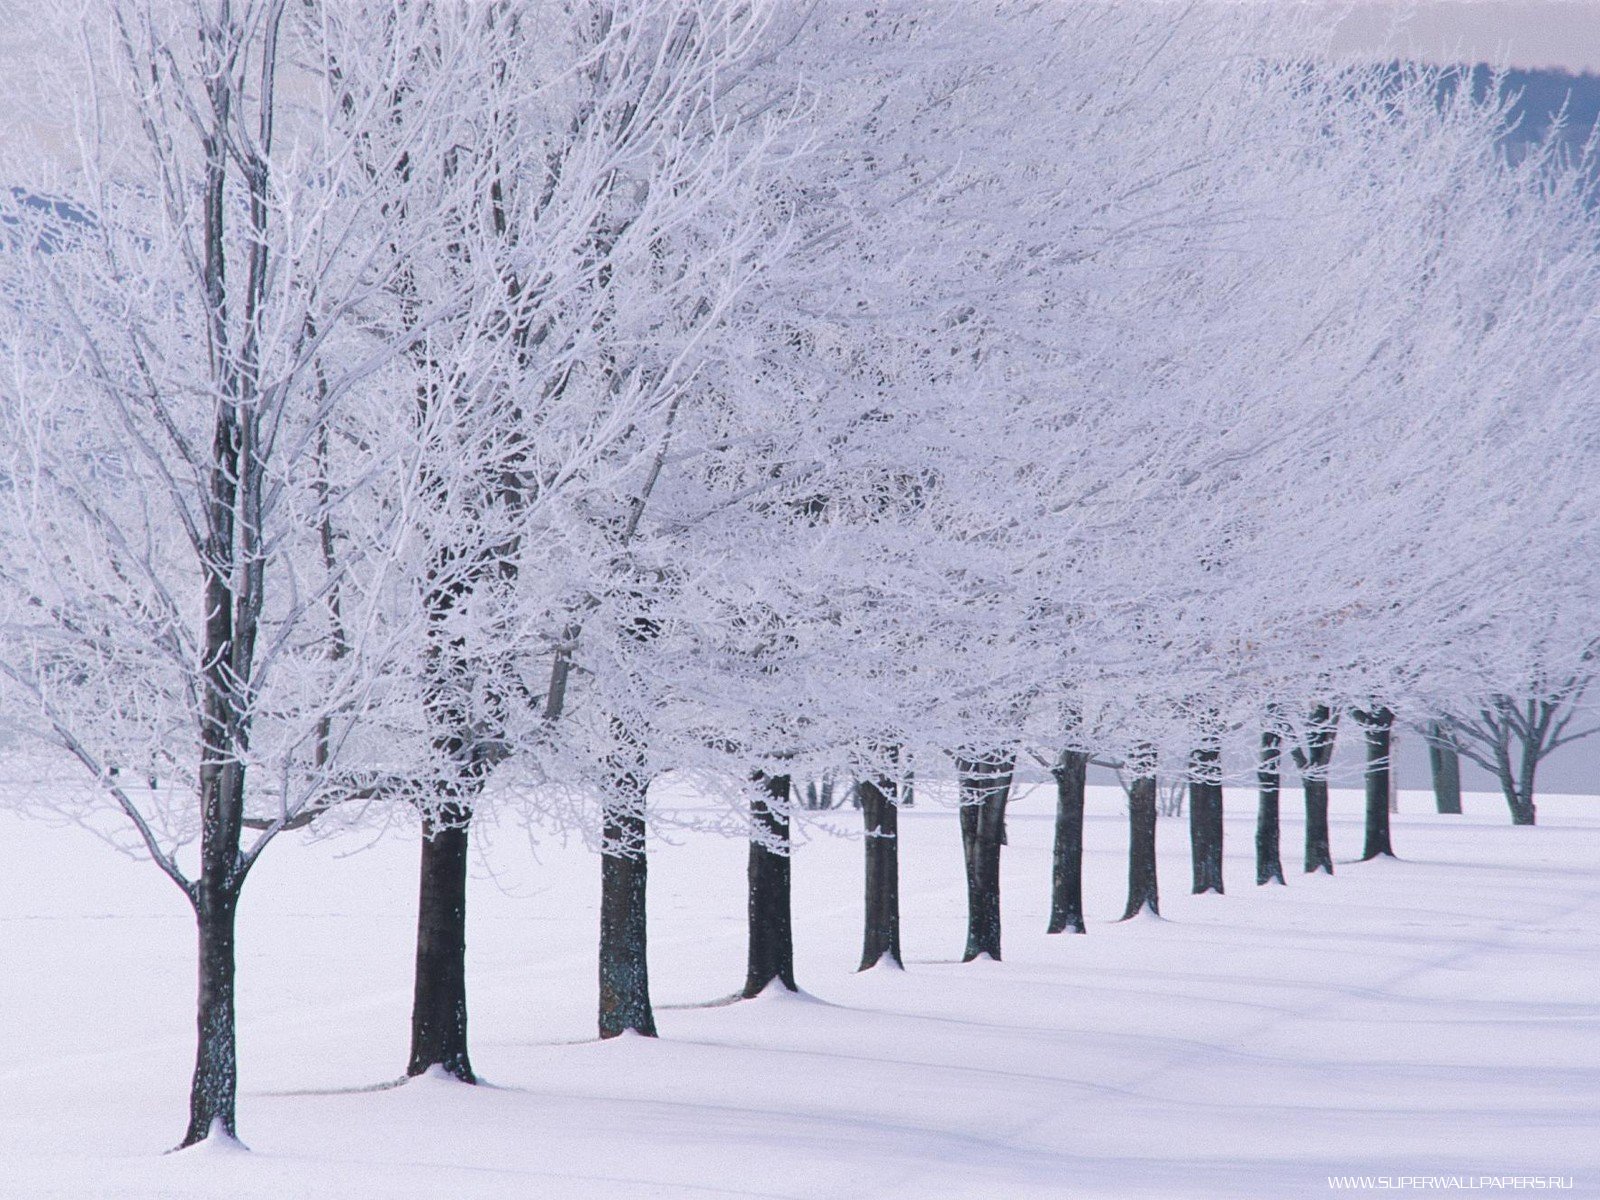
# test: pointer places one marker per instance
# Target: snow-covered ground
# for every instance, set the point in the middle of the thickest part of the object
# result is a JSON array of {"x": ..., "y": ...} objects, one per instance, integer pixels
[{"x": 1437, "y": 1015}]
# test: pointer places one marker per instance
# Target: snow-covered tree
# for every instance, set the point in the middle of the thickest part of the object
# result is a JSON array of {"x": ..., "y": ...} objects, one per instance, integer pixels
[
  {"x": 201, "y": 535},
  {"x": 628, "y": 197}
]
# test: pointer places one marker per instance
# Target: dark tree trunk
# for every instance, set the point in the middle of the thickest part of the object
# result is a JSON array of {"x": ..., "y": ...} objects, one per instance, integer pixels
[
  {"x": 1066, "y": 880},
  {"x": 1517, "y": 785},
  {"x": 985, "y": 787},
  {"x": 439, "y": 989},
  {"x": 1446, "y": 763},
  {"x": 233, "y": 564},
  {"x": 439, "y": 996},
  {"x": 1319, "y": 855},
  {"x": 1322, "y": 727},
  {"x": 1519, "y": 796},
  {"x": 1142, "y": 893},
  {"x": 230, "y": 595},
  {"x": 224, "y": 737},
  {"x": 771, "y": 925},
  {"x": 1377, "y": 726},
  {"x": 1205, "y": 823},
  {"x": 624, "y": 869},
  {"x": 213, "y": 1094},
  {"x": 1524, "y": 813},
  {"x": 881, "y": 930},
  {"x": 1269, "y": 865}
]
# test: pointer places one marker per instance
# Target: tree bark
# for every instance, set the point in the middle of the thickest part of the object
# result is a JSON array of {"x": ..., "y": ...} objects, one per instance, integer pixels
[
  {"x": 1066, "y": 880},
  {"x": 1319, "y": 856},
  {"x": 1269, "y": 863},
  {"x": 1377, "y": 726},
  {"x": 771, "y": 924},
  {"x": 819, "y": 793},
  {"x": 985, "y": 786},
  {"x": 1205, "y": 823},
  {"x": 213, "y": 1093},
  {"x": 1313, "y": 763},
  {"x": 1517, "y": 785},
  {"x": 881, "y": 929},
  {"x": 1519, "y": 796},
  {"x": 439, "y": 994},
  {"x": 1445, "y": 761},
  {"x": 1394, "y": 775},
  {"x": 232, "y": 589},
  {"x": 624, "y": 871},
  {"x": 1142, "y": 891}
]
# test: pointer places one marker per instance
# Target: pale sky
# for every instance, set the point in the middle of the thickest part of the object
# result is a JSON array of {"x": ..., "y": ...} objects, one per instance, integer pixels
[{"x": 1511, "y": 33}]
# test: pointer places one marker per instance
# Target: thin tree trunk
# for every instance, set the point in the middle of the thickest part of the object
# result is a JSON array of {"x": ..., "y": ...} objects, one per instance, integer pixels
[
  {"x": 1319, "y": 856},
  {"x": 1269, "y": 863},
  {"x": 1519, "y": 800},
  {"x": 229, "y": 640},
  {"x": 1376, "y": 726},
  {"x": 1446, "y": 763},
  {"x": 1523, "y": 811},
  {"x": 213, "y": 1094},
  {"x": 1066, "y": 880},
  {"x": 771, "y": 925},
  {"x": 985, "y": 785},
  {"x": 1394, "y": 772},
  {"x": 1323, "y": 728},
  {"x": 439, "y": 995},
  {"x": 1142, "y": 892},
  {"x": 1205, "y": 823},
  {"x": 233, "y": 564},
  {"x": 881, "y": 929},
  {"x": 624, "y": 871}
]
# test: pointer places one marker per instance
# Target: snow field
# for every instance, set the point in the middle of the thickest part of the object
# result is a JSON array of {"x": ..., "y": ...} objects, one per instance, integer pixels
[{"x": 1436, "y": 1015}]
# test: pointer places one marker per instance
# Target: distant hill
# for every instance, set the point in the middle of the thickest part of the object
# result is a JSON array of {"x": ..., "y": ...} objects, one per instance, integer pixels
[
  {"x": 17, "y": 203},
  {"x": 1539, "y": 97}
]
